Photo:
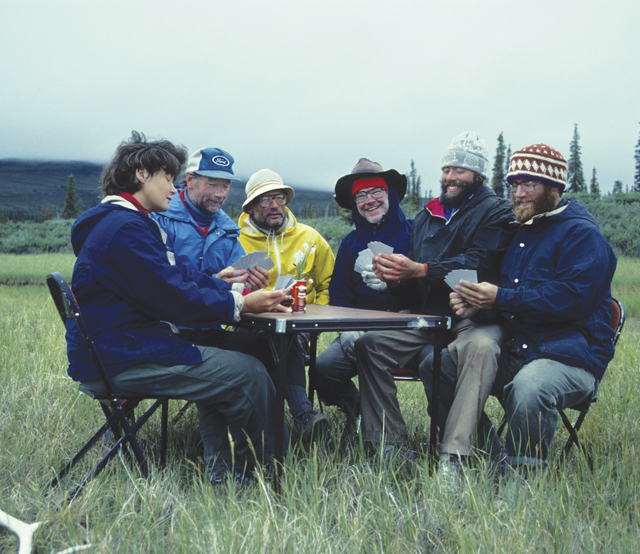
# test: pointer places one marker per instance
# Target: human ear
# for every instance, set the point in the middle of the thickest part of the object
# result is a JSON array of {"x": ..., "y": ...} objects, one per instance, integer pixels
[{"x": 142, "y": 175}]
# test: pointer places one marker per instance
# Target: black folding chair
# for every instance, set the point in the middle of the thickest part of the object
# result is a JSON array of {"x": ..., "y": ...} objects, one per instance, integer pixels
[{"x": 118, "y": 409}]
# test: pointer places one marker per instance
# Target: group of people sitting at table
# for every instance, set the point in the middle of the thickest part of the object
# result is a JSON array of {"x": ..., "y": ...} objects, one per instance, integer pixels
[{"x": 154, "y": 276}]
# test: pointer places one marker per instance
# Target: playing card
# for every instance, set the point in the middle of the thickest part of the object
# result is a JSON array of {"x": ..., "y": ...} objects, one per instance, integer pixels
[
  {"x": 454, "y": 277},
  {"x": 253, "y": 259},
  {"x": 365, "y": 258},
  {"x": 284, "y": 282},
  {"x": 378, "y": 247}
]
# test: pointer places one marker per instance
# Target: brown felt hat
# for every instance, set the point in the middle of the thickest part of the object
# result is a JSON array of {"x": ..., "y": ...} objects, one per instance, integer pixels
[{"x": 367, "y": 168}]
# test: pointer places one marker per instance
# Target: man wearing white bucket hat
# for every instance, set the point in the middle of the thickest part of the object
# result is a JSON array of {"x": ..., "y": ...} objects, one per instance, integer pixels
[{"x": 296, "y": 249}]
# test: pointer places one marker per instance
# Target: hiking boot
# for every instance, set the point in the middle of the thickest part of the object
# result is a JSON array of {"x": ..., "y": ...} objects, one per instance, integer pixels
[
  {"x": 311, "y": 427},
  {"x": 398, "y": 453},
  {"x": 449, "y": 474}
]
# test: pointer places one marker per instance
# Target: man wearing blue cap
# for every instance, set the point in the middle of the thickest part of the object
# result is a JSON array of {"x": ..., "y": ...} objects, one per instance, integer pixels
[{"x": 200, "y": 234}]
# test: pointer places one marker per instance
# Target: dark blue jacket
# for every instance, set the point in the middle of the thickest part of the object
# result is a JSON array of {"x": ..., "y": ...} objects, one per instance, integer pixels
[
  {"x": 555, "y": 289},
  {"x": 475, "y": 237},
  {"x": 347, "y": 287},
  {"x": 127, "y": 289}
]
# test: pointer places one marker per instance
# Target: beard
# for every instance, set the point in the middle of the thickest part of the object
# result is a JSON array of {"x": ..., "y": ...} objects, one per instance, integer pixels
[
  {"x": 546, "y": 202},
  {"x": 264, "y": 223},
  {"x": 456, "y": 200}
]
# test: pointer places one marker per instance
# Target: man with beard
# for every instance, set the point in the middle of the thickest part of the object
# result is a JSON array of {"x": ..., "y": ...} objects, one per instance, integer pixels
[
  {"x": 554, "y": 297},
  {"x": 373, "y": 196},
  {"x": 465, "y": 228},
  {"x": 268, "y": 225}
]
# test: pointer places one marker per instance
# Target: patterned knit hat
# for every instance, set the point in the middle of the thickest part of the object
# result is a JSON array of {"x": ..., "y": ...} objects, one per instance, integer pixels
[
  {"x": 467, "y": 151},
  {"x": 540, "y": 163}
]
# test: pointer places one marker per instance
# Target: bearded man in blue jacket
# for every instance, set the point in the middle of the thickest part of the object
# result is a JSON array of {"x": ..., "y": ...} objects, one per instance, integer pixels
[
  {"x": 373, "y": 196},
  {"x": 128, "y": 289},
  {"x": 554, "y": 297}
]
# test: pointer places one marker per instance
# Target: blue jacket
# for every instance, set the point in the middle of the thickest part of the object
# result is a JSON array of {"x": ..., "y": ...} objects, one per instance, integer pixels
[
  {"x": 127, "y": 290},
  {"x": 221, "y": 247},
  {"x": 555, "y": 289},
  {"x": 347, "y": 287}
]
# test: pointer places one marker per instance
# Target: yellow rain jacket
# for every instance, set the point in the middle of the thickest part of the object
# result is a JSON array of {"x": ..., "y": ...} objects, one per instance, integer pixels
[{"x": 281, "y": 247}]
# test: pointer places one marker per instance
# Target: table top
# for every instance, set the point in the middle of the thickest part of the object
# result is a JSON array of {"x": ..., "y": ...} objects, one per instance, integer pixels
[{"x": 336, "y": 318}]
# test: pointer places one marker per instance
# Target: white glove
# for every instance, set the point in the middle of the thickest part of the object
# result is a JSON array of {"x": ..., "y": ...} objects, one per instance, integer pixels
[{"x": 370, "y": 279}]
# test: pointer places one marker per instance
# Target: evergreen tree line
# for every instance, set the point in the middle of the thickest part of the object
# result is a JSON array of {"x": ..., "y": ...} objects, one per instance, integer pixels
[{"x": 576, "y": 182}]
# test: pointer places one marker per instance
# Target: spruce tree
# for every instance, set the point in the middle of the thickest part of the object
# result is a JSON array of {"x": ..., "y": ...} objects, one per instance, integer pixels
[
  {"x": 594, "y": 188},
  {"x": 71, "y": 202},
  {"x": 412, "y": 199},
  {"x": 497, "y": 178},
  {"x": 575, "y": 176},
  {"x": 617, "y": 187},
  {"x": 636, "y": 177}
]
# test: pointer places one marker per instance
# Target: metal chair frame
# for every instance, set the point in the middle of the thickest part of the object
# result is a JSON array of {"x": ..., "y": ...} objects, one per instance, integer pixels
[
  {"x": 118, "y": 409},
  {"x": 618, "y": 316}
]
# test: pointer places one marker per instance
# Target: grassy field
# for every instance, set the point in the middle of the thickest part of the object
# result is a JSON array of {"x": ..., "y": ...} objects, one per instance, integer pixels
[{"x": 332, "y": 501}]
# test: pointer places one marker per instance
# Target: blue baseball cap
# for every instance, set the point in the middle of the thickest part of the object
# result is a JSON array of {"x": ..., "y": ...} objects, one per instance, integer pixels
[{"x": 212, "y": 162}]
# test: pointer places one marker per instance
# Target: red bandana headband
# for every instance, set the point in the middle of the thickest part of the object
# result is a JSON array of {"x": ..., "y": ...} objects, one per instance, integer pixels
[{"x": 368, "y": 182}]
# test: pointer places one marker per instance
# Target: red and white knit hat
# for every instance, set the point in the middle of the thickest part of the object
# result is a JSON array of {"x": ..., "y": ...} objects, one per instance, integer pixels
[{"x": 540, "y": 163}]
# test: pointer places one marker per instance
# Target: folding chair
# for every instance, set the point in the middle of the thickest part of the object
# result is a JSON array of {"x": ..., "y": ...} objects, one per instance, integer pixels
[
  {"x": 118, "y": 408},
  {"x": 618, "y": 317}
]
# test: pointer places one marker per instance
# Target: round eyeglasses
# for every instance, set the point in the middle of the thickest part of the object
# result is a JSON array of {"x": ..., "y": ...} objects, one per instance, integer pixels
[
  {"x": 265, "y": 201},
  {"x": 376, "y": 193},
  {"x": 527, "y": 186}
]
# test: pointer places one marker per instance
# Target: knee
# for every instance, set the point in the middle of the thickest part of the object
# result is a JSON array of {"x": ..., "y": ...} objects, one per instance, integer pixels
[
  {"x": 365, "y": 343},
  {"x": 525, "y": 394}
]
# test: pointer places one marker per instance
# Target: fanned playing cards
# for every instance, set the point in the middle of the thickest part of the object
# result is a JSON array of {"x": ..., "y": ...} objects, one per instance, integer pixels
[
  {"x": 284, "y": 282},
  {"x": 378, "y": 247},
  {"x": 254, "y": 259},
  {"x": 454, "y": 277},
  {"x": 365, "y": 258}
]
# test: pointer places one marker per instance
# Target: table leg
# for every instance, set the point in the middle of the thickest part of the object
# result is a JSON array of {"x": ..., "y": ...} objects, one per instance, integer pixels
[
  {"x": 282, "y": 347},
  {"x": 435, "y": 387},
  {"x": 313, "y": 346}
]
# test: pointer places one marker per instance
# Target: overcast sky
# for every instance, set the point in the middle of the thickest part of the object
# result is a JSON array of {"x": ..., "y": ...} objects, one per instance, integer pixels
[{"x": 306, "y": 88}]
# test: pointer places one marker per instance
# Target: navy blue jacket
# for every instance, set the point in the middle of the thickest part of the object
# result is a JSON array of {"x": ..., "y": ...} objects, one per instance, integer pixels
[
  {"x": 555, "y": 289},
  {"x": 127, "y": 290},
  {"x": 347, "y": 287}
]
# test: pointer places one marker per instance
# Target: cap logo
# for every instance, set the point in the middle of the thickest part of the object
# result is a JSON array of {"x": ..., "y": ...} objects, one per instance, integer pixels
[{"x": 220, "y": 160}]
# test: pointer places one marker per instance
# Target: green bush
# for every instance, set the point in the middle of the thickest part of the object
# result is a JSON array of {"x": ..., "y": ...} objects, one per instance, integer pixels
[{"x": 27, "y": 237}]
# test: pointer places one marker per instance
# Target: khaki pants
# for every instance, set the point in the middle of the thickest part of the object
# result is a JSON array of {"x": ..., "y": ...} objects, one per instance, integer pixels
[{"x": 476, "y": 348}]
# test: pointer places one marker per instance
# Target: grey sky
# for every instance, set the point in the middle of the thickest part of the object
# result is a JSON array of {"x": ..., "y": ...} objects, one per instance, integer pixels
[{"x": 306, "y": 88}]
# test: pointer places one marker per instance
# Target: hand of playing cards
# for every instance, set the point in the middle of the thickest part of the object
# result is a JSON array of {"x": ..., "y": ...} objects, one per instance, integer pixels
[
  {"x": 254, "y": 259},
  {"x": 284, "y": 282},
  {"x": 454, "y": 277},
  {"x": 365, "y": 257}
]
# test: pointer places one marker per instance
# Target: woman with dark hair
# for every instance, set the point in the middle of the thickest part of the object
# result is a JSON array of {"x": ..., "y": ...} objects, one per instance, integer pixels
[{"x": 128, "y": 289}]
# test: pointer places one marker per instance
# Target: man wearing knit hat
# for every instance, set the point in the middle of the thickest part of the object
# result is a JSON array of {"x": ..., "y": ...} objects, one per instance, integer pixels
[
  {"x": 467, "y": 227},
  {"x": 373, "y": 196},
  {"x": 555, "y": 299},
  {"x": 268, "y": 225}
]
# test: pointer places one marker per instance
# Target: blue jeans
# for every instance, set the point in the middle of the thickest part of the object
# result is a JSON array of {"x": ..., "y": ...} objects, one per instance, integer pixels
[
  {"x": 334, "y": 377},
  {"x": 532, "y": 395}
]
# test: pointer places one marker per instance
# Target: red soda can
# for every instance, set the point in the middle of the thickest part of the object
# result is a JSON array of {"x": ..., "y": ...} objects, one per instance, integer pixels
[{"x": 299, "y": 296}]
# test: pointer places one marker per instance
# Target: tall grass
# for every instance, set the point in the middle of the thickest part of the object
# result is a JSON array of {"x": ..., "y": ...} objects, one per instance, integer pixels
[{"x": 332, "y": 500}]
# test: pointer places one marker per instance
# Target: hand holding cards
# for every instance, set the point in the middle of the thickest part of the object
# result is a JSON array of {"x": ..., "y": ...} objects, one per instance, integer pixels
[
  {"x": 454, "y": 277},
  {"x": 254, "y": 259}
]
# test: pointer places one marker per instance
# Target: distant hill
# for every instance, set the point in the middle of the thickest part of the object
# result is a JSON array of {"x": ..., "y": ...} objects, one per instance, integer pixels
[{"x": 29, "y": 187}]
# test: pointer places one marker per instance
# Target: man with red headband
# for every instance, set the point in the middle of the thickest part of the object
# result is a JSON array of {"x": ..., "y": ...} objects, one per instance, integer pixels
[
  {"x": 467, "y": 227},
  {"x": 373, "y": 196}
]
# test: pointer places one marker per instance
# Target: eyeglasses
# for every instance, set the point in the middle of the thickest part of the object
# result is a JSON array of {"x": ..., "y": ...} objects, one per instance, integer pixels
[
  {"x": 527, "y": 186},
  {"x": 265, "y": 201},
  {"x": 376, "y": 193}
]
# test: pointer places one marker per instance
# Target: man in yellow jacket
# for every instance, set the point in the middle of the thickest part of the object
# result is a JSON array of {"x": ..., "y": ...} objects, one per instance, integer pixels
[{"x": 268, "y": 225}]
